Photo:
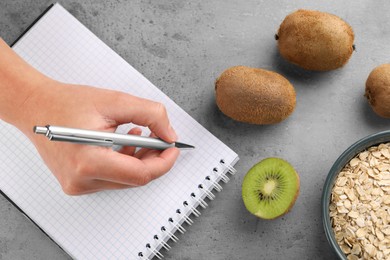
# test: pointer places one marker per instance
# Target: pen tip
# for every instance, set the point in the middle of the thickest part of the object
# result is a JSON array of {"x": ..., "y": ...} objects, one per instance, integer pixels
[{"x": 184, "y": 146}]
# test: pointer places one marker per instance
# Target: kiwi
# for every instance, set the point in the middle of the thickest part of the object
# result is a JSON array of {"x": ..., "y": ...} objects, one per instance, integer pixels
[
  {"x": 378, "y": 90},
  {"x": 270, "y": 188},
  {"x": 255, "y": 96},
  {"x": 315, "y": 40}
]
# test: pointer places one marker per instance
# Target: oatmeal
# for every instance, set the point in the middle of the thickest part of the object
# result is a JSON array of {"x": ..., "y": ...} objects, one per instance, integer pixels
[{"x": 360, "y": 205}]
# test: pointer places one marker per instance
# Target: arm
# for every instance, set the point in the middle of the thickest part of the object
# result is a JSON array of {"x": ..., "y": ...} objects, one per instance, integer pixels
[{"x": 29, "y": 98}]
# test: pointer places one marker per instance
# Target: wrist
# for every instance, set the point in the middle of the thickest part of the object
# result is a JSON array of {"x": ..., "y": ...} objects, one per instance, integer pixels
[
  {"x": 20, "y": 84},
  {"x": 32, "y": 106}
]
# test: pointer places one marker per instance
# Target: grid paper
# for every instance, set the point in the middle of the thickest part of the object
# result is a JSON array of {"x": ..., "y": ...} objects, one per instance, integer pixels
[{"x": 110, "y": 224}]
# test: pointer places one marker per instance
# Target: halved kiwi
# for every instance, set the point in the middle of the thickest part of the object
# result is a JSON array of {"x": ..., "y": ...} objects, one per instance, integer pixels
[{"x": 270, "y": 188}]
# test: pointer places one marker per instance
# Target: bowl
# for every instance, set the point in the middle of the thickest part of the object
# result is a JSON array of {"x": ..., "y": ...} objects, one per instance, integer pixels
[{"x": 345, "y": 157}]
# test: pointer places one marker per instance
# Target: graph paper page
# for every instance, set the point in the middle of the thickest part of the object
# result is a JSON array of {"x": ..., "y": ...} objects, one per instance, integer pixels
[{"x": 110, "y": 224}]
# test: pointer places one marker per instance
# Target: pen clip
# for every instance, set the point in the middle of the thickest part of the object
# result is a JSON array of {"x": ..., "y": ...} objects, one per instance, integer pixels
[{"x": 81, "y": 140}]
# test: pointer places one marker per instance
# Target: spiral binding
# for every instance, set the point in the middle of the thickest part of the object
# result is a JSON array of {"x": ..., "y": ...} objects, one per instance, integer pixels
[
  {"x": 155, "y": 252},
  {"x": 192, "y": 208},
  {"x": 198, "y": 199},
  {"x": 215, "y": 184},
  {"x": 163, "y": 243},
  {"x": 202, "y": 202},
  {"x": 208, "y": 193},
  {"x": 224, "y": 178},
  {"x": 230, "y": 168},
  {"x": 186, "y": 218},
  {"x": 170, "y": 234},
  {"x": 177, "y": 226}
]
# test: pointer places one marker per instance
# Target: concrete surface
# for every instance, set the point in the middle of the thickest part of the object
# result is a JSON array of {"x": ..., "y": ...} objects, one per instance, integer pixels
[{"x": 182, "y": 46}]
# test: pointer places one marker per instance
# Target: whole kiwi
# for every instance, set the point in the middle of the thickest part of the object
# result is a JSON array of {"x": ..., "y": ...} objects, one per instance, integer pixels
[
  {"x": 255, "y": 96},
  {"x": 378, "y": 90},
  {"x": 315, "y": 40}
]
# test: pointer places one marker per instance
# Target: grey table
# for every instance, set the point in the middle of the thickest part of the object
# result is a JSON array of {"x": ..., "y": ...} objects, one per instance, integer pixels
[{"x": 182, "y": 46}]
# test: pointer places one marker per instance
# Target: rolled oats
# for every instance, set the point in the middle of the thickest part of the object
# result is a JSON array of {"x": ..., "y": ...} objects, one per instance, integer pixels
[{"x": 360, "y": 205}]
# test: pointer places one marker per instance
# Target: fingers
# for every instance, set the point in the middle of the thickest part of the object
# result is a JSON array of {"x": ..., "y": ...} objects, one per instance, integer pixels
[
  {"x": 119, "y": 170},
  {"x": 146, "y": 154},
  {"x": 128, "y": 170},
  {"x": 95, "y": 186},
  {"x": 143, "y": 112},
  {"x": 140, "y": 154},
  {"x": 129, "y": 150}
]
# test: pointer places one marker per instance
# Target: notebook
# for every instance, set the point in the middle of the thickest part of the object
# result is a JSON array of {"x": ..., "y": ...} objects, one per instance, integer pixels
[{"x": 123, "y": 224}]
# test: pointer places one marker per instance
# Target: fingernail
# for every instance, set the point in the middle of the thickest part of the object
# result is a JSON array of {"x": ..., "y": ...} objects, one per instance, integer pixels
[{"x": 172, "y": 133}]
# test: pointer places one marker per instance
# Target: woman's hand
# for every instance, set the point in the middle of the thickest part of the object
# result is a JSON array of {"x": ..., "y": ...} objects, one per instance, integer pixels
[{"x": 37, "y": 100}]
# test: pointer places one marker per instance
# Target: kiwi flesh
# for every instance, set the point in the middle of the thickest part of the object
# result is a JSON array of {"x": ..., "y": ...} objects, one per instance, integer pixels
[
  {"x": 378, "y": 90},
  {"x": 255, "y": 96},
  {"x": 315, "y": 40},
  {"x": 270, "y": 188}
]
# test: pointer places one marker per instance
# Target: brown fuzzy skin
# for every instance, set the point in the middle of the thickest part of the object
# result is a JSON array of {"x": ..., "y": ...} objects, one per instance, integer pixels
[
  {"x": 378, "y": 90},
  {"x": 254, "y": 96},
  {"x": 315, "y": 40}
]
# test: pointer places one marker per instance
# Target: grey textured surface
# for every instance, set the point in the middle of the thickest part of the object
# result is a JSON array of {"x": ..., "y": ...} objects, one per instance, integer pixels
[{"x": 182, "y": 46}]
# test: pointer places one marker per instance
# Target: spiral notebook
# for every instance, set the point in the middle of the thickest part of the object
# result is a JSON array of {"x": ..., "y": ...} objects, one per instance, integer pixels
[{"x": 124, "y": 224}]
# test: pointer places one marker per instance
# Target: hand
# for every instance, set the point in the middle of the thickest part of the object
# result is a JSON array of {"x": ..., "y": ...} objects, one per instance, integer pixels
[
  {"x": 29, "y": 98},
  {"x": 84, "y": 169}
]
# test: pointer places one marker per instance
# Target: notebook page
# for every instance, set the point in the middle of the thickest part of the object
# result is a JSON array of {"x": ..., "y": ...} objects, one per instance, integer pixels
[{"x": 109, "y": 224}]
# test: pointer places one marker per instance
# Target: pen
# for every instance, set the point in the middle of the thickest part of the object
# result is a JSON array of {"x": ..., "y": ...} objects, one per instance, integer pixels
[{"x": 90, "y": 137}]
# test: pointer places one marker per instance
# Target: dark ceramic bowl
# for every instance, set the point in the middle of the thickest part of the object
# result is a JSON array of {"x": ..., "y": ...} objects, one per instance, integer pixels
[{"x": 345, "y": 157}]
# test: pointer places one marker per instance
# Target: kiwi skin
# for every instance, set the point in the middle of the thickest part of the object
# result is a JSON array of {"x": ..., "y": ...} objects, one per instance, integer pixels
[
  {"x": 315, "y": 40},
  {"x": 254, "y": 96},
  {"x": 378, "y": 90}
]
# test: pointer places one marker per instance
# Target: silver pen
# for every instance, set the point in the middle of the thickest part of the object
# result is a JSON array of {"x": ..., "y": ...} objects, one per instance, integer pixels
[{"x": 81, "y": 136}]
